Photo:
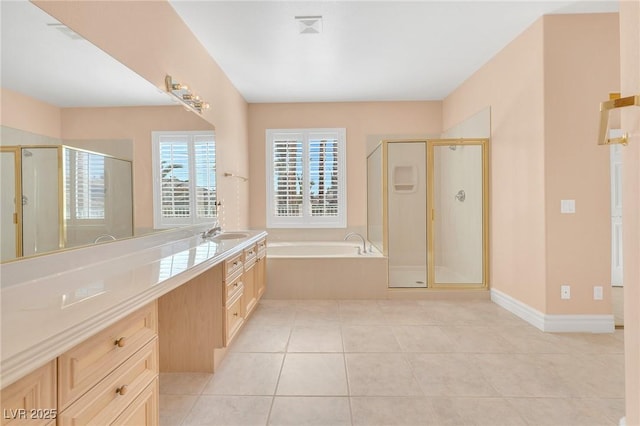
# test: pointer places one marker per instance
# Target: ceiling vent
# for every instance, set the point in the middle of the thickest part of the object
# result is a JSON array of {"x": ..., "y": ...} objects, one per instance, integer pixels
[{"x": 309, "y": 24}]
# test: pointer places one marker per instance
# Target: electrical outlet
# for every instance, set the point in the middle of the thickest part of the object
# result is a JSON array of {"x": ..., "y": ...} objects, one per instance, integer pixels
[
  {"x": 597, "y": 292},
  {"x": 565, "y": 292}
]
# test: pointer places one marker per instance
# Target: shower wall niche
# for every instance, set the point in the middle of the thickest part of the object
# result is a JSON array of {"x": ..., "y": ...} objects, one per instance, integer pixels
[{"x": 427, "y": 211}]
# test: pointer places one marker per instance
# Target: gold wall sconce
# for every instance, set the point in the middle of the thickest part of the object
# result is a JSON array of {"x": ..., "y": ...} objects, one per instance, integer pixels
[
  {"x": 185, "y": 96},
  {"x": 615, "y": 101}
]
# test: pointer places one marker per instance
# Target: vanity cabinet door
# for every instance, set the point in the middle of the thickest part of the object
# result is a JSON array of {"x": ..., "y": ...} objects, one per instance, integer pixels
[
  {"x": 234, "y": 317},
  {"x": 261, "y": 269},
  {"x": 249, "y": 281},
  {"x": 32, "y": 399}
]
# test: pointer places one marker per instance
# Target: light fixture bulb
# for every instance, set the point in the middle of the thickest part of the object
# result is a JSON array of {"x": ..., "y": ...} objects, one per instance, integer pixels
[{"x": 182, "y": 93}]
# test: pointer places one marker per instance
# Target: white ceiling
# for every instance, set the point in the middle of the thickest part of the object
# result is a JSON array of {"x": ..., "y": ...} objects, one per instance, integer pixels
[
  {"x": 40, "y": 61},
  {"x": 380, "y": 50}
]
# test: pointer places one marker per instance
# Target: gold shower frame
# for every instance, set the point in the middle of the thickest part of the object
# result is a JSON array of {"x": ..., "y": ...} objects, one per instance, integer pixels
[
  {"x": 62, "y": 225},
  {"x": 432, "y": 214}
]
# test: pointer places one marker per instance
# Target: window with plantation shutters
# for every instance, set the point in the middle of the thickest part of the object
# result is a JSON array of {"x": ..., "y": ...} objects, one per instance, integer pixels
[
  {"x": 85, "y": 185},
  {"x": 184, "y": 170},
  {"x": 306, "y": 179}
]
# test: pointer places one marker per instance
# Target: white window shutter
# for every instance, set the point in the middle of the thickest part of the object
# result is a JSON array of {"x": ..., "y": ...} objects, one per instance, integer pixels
[{"x": 306, "y": 181}]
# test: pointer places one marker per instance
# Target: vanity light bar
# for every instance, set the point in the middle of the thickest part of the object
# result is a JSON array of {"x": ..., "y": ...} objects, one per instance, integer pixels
[{"x": 182, "y": 93}]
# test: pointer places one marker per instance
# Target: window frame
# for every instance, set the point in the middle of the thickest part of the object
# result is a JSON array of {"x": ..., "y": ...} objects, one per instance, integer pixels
[
  {"x": 307, "y": 220},
  {"x": 190, "y": 137}
]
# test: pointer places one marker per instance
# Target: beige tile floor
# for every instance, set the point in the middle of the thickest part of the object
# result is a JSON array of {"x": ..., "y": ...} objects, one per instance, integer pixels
[{"x": 401, "y": 363}]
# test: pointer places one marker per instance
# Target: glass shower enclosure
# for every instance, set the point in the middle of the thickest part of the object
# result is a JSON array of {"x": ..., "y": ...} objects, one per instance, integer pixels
[
  {"x": 56, "y": 196},
  {"x": 427, "y": 211}
]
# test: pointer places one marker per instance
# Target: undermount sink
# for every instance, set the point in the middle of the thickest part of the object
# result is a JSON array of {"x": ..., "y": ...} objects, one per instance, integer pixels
[{"x": 230, "y": 236}]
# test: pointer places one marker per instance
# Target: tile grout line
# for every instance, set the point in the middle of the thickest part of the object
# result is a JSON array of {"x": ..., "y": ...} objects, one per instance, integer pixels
[
  {"x": 346, "y": 372},
  {"x": 284, "y": 357}
]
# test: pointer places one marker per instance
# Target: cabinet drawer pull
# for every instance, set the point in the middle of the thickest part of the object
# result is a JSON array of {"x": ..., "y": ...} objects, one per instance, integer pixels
[
  {"x": 122, "y": 390},
  {"x": 235, "y": 314},
  {"x": 120, "y": 342},
  {"x": 235, "y": 263},
  {"x": 235, "y": 284}
]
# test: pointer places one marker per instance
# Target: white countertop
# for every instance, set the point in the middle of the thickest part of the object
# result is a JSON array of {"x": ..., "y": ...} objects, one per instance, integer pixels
[{"x": 48, "y": 307}]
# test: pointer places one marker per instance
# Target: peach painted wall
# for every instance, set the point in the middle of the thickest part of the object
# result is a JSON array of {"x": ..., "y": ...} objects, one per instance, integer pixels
[
  {"x": 543, "y": 112},
  {"x": 512, "y": 85},
  {"x": 136, "y": 124},
  {"x": 151, "y": 39},
  {"x": 363, "y": 120},
  {"x": 630, "y": 85},
  {"x": 581, "y": 67},
  {"x": 29, "y": 114}
]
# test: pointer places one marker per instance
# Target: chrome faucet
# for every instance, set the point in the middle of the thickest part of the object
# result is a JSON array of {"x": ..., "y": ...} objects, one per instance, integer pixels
[
  {"x": 104, "y": 237},
  {"x": 364, "y": 243},
  {"x": 213, "y": 231}
]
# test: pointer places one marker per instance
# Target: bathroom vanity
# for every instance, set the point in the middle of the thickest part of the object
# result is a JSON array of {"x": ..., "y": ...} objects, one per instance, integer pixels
[{"x": 86, "y": 332}]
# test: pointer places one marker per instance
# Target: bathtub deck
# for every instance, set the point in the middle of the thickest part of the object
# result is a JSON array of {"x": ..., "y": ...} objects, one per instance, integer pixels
[{"x": 327, "y": 278}]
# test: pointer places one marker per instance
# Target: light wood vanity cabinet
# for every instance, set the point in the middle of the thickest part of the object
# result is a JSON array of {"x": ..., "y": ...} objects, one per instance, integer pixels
[
  {"x": 111, "y": 397},
  {"x": 89, "y": 362},
  {"x": 254, "y": 275},
  {"x": 261, "y": 268},
  {"x": 106, "y": 379},
  {"x": 250, "y": 290},
  {"x": 102, "y": 379},
  {"x": 199, "y": 319},
  {"x": 32, "y": 399},
  {"x": 233, "y": 297},
  {"x": 144, "y": 409}
]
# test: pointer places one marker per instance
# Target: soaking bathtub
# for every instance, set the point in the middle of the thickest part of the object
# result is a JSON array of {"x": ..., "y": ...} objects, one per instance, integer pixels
[{"x": 324, "y": 270}]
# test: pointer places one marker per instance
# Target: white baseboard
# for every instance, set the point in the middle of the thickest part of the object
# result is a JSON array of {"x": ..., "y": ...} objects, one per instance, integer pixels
[
  {"x": 516, "y": 307},
  {"x": 554, "y": 323}
]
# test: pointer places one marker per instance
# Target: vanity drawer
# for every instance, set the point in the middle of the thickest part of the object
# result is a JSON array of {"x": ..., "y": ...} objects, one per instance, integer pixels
[
  {"x": 250, "y": 256},
  {"x": 111, "y": 397},
  {"x": 32, "y": 399},
  {"x": 144, "y": 409},
  {"x": 261, "y": 248},
  {"x": 234, "y": 287},
  {"x": 234, "y": 317},
  {"x": 82, "y": 367},
  {"x": 233, "y": 267}
]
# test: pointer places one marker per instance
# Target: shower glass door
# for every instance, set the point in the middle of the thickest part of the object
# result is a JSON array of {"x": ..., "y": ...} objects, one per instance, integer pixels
[
  {"x": 406, "y": 188},
  {"x": 10, "y": 224},
  {"x": 458, "y": 187}
]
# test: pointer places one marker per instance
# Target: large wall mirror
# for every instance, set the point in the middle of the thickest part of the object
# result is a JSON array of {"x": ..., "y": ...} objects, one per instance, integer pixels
[{"x": 75, "y": 138}]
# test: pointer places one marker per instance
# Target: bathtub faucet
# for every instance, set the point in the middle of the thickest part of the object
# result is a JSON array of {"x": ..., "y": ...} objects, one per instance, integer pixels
[{"x": 364, "y": 243}]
